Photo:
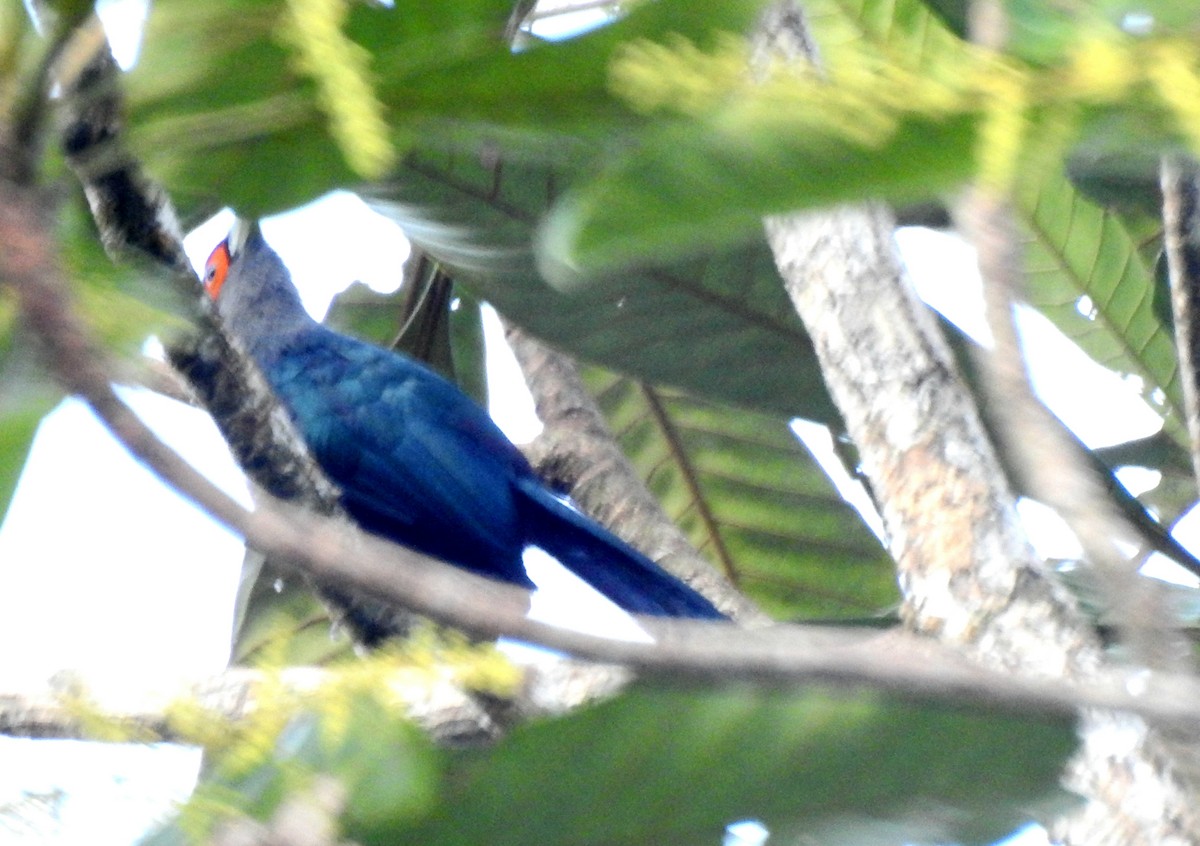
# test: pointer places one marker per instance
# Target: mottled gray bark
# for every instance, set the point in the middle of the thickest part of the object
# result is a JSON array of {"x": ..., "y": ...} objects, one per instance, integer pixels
[{"x": 967, "y": 573}]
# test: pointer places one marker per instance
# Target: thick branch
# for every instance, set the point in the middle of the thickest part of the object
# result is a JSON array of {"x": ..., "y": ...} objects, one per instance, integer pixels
[
  {"x": 577, "y": 448},
  {"x": 967, "y": 573}
]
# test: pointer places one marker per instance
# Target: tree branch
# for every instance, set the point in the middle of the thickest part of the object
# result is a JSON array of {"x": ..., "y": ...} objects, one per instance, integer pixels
[
  {"x": 577, "y": 448},
  {"x": 967, "y": 572}
]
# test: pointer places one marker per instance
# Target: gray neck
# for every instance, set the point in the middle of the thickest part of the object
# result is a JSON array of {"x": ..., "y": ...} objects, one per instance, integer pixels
[{"x": 259, "y": 304}]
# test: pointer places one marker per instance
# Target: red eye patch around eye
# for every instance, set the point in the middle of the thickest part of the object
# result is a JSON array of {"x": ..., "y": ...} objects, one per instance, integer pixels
[{"x": 216, "y": 269}]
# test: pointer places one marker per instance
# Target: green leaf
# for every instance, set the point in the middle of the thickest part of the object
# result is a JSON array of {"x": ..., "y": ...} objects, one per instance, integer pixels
[
  {"x": 672, "y": 766},
  {"x": 701, "y": 183},
  {"x": 676, "y": 766},
  {"x": 719, "y": 326},
  {"x": 223, "y": 112},
  {"x": 747, "y": 494},
  {"x": 221, "y": 116},
  {"x": 1075, "y": 249}
]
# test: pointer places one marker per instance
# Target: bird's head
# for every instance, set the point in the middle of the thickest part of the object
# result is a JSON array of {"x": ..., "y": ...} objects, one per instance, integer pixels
[
  {"x": 250, "y": 283},
  {"x": 222, "y": 258}
]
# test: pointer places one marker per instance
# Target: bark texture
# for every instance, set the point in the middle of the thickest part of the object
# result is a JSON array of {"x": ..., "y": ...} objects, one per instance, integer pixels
[
  {"x": 579, "y": 451},
  {"x": 966, "y": 571}
]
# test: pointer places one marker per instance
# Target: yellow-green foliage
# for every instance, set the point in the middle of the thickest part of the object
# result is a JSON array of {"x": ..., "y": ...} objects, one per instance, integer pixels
[
  {"x": 677, "y": 76},
  {"x": 96, "y": 724},
  {"x": 1170, "y": 67},
  {"x": 389, "y": 679},
  {"x": 341, "y": 69},
  {"x": 392, "y": 677},
  {"x": 865, "y": 89}
]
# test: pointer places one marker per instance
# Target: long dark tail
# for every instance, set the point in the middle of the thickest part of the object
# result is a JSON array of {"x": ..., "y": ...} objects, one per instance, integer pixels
[{"x": 604, "y": 561}]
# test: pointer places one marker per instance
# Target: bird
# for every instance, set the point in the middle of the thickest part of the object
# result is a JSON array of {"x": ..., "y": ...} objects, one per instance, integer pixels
[{"x": 416, "y": 460}]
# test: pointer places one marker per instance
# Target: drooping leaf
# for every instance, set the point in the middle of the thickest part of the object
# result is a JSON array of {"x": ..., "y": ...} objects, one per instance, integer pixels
[
  {"x": 704, "y": 325},
  {"x": 749, "y": 495},
  {"x": 1076, "y": 250}
]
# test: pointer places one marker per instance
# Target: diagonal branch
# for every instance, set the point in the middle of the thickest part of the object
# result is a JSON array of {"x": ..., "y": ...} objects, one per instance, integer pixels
[
  {"x": 1181, "y": 236},
  {"x": 577, "y": 447}
]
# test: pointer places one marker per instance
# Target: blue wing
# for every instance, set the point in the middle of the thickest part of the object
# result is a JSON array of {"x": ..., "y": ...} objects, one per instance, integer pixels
[{"x": 417, "y": 460}]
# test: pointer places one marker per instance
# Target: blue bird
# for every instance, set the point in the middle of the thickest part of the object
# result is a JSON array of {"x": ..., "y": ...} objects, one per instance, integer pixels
[{"x": 417, "y": 460}]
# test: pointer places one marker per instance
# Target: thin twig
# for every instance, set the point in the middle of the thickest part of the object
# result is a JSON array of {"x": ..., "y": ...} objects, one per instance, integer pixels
[{"x": 1181, "y": 240}]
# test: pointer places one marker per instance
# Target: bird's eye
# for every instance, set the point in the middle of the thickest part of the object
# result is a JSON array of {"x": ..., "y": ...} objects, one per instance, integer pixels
[{"x": 216, "y": 269}]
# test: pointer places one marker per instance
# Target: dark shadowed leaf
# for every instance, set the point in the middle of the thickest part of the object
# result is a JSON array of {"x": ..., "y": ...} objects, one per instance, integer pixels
[
  {"x": 719, "y": 326},
  {"x": 674, "y": 767},
  {"x": 748, "y": 494}
]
